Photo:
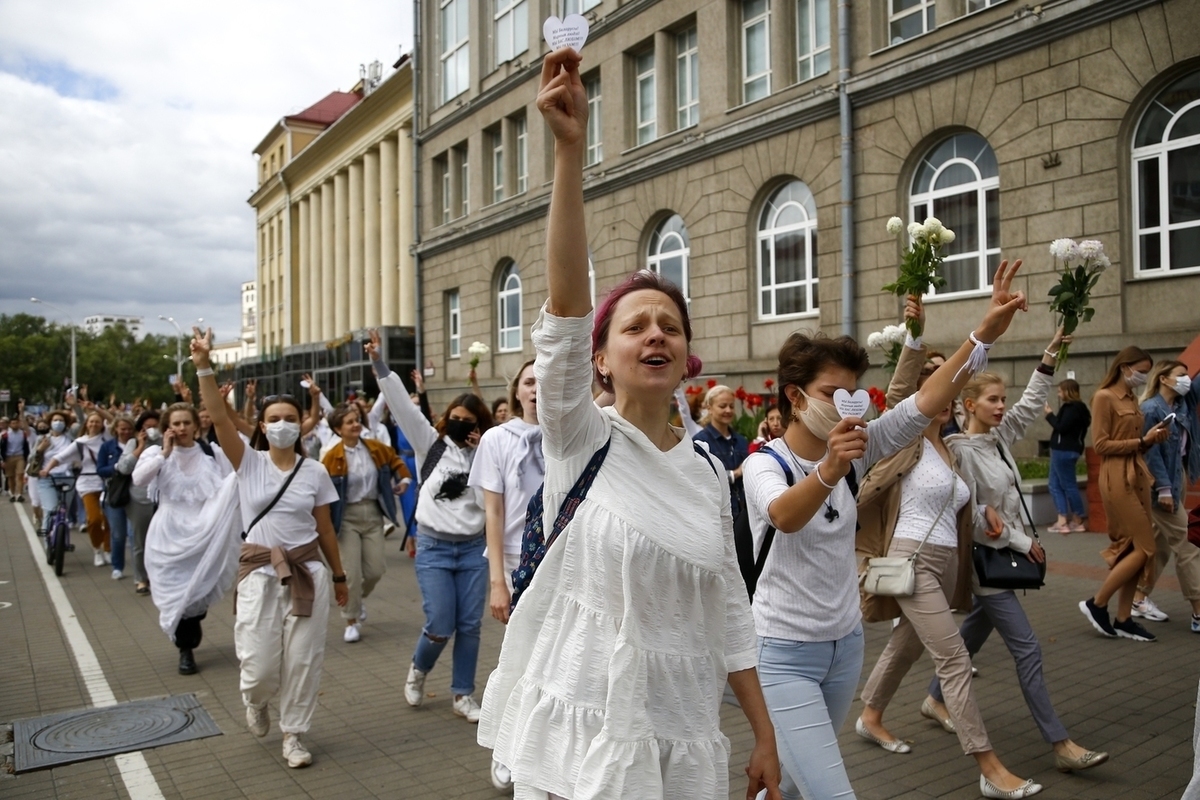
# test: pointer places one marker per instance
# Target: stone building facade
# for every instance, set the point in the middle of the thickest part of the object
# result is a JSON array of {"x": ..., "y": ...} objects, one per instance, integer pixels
[{"x": 714, "y": 157}]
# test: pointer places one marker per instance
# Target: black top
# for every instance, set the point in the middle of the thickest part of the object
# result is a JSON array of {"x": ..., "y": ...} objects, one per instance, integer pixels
[{"x": 1070, "y": 426}]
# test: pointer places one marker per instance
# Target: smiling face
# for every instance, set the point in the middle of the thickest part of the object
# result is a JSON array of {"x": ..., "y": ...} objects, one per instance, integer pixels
[
  {"x": 988, "y": 408},
  {"x": 351, "y": 428},
  {"x": 647, "y": 350},
  {"x": 94, "y": 425},
  {"x": 721, "y": 408},
  {"x": 124, "y": 430}
]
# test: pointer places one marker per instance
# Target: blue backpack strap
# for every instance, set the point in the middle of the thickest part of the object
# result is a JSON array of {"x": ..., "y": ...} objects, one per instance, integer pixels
[
  {"x": 578, "y": 492},
  {"x": 769, "y": 536}
]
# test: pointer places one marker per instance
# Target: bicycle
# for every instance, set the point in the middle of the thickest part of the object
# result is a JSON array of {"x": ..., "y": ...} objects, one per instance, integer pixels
[{"x": 58, "y": 536}]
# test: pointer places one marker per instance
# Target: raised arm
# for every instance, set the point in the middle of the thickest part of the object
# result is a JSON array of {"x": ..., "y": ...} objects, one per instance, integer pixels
[
  {"x": 563, "y": 103},
  {"x": 313, "y": 417},
  {"x": 412, "y": 423},
  {"x": 210, "y": 394},
  {"x": 912, "y": 357}
]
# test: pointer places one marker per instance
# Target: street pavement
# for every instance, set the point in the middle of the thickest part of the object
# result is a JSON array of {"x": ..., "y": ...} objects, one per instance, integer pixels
[{"x": 1135, "y": 700}]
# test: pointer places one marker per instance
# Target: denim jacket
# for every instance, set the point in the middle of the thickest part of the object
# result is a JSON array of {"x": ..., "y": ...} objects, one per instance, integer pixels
[
  {"x": 106, "y": 459},
  {"x": 1165, "y": 461}
]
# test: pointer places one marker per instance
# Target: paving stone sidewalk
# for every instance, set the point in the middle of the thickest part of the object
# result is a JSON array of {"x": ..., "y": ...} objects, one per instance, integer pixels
[{"x": 1135, "y": 700}]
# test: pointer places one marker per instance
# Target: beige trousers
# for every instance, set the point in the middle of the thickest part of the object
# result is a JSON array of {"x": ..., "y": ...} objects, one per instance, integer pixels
[
  {"x": 14, "y": 474},
  {"x": 360, "y": 542},
  {"x": 1170, "y": 536},
  {"x": 927, "y": 624}
]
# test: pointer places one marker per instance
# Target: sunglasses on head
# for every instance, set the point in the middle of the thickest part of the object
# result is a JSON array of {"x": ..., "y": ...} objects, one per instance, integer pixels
[{"x": 277, "y": 398}]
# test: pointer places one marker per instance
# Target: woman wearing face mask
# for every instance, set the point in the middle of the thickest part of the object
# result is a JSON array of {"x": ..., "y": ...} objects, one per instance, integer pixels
[
  {"x": 118, "y": 520},
  {"x": 451, "y": 520},
  {"x": 187, "y": 479},
  {"x": 140, "y": 510},
  {"x": 806, "y": 606},
  {"x": 41, "y": 433},
  {"x": 1125, "y": 483},
  {"x": 724, "y": 442},
  {"x": 90, "y": 486},
  {"x": 1174, "y": 464},
  {"x": 59, "y": 454},
  {"x": 282, "y": 595},
  {"x": 1069, "y": 426}
]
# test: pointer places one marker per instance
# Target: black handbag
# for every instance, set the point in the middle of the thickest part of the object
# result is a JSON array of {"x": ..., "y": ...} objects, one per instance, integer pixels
[
  {"x": 116, "y": 490},
  {"x": 1005, "y": 568}
]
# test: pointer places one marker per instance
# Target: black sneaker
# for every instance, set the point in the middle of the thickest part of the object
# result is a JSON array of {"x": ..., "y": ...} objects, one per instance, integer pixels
[
  {"x": 1098, "y": 617},
  {"x": 1129, "y": 629}
]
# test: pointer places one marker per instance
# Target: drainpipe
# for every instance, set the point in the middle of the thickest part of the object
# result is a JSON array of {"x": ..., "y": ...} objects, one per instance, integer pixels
[
  {"x": 847, "y": 132},
  {"x": 418, "y": 337}
]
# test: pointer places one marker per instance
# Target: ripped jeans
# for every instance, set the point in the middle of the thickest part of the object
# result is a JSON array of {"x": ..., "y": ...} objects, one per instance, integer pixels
[{"x": 453, "y": 576}]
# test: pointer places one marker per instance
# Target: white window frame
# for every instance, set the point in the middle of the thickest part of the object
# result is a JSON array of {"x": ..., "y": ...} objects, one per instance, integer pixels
[
  {"x": 764, "y": 19},
  {"x": 508, "y": 332},
  {"x": 453, "y": 324},
  {"x": 926, "y": 8},
  {"x": 768, "y": 230},
  {"x": 457, "y": 51},
  {"x": 521, "y": 124},
  {"x": 514, "y": 14},
  {"x": 497, "y": 167},
  {"x": 687, "y": 78},
  {"x": 578, "y": 6},
  {"x": 811, "y": 51},
  {"x": 1160, "y": 152},
  {"x": 464, "y": 176},
  {"x": 444, "y": 167},
  {"x": 595, "y": 127},
  {"x": 647, "y": 128},
  {"x": 657, "y": 252},
  {"x": 981, "y": 186}
]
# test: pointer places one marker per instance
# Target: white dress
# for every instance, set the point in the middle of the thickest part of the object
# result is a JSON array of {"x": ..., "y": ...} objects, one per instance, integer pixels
[
  {"x": 193, "y": 541},
  {"x": 614, "y": 663}
]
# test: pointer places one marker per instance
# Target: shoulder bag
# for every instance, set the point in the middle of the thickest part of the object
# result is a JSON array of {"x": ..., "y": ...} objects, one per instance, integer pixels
[
  {"x": 897, "y": 577},
  {"x": 275, "y": 499},
  {"x": 1003, "y": 567}
]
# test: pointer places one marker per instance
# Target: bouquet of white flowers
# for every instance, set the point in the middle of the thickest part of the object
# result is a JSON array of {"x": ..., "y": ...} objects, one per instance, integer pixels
[
  {"x": 920, "y": 263},
  {"x": 1082, "y": 264},
  {"x": 477, "y": 350},
  {"x": 889, "y": 340}
]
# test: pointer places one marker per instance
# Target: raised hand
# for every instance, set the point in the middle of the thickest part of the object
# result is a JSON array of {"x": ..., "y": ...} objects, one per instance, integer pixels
[
  {"x": 373, "y": 346},
  {"x": 313, "y": 389},
  {"x": 226, "y": 388},
  {"x": 914, "y": 309},
  {"x": 562, "y": 98},
  {"x": 201, "y": 348},
  {"x": 1005, "y": 304},
  {"x": 418, "y": 381}
]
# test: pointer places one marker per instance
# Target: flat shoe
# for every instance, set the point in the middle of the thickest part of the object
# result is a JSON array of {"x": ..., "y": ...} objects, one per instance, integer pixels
[
  {"x": 1027, "y": 789},
  {"x": 928, "y": 712},
  {"x": 892, "y": 747},
  {"x": 1086, "y": 761}
]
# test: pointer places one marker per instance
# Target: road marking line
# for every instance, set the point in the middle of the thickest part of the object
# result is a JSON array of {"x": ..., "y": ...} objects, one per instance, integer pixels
[{"x": 135, "y": 772}]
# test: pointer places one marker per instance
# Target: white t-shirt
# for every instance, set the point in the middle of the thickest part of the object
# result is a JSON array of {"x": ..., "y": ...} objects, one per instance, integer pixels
[
  {"x": 923, "y": 494},
  {"x": 62, "y": 450},
  {"x": 16, "y": 442},
  {"x": 506, "y": 464},
  {"x": 89, "y": 452},
  {"x": 290, "y": 523}
]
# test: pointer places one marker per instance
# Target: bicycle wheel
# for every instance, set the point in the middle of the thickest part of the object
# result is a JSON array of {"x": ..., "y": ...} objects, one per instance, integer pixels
[{"x": 60, "y": 547}]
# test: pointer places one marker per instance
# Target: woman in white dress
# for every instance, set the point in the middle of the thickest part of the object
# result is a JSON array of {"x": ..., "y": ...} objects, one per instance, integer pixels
[
  {"x": 282, "y": 596},
  {"x": 614, "y": 662}
]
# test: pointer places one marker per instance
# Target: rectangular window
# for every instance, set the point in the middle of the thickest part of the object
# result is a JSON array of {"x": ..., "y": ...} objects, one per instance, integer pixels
[
  {"x": 511, "y": 20},
  {"x": 812, "y": 38},
  {"x": 522, "y": 137},
  {"x": 595, "y": 149},
  {"x": 496, "y": 145},
  {"x": 980, "y": 5},
  {"x": 687, "y": 79},
  {"x": 453, "y": 324},
  {"x": 442, "y": 170},
  {"x": 909, "y": 18},
  {"x": 578, "y": 6},
  {"x": 756, "y": 50},
  {"x": 454, "y": 48},
  {"x": 647, "y": 103}
]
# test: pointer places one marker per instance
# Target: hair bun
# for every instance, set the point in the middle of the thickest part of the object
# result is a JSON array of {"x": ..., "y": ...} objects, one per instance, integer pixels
[{"x": 694, "y": 366}]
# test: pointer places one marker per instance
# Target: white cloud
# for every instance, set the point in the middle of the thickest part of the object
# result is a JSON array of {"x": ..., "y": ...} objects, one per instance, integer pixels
[{"x": 126, "y": 139}]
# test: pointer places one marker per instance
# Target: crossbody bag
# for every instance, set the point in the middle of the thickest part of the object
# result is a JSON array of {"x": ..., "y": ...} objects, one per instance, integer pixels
[
  {"x": 275, "y": 499},
  {"x": 890, "y": 576},
  {"x": 1003, "y": 567}
]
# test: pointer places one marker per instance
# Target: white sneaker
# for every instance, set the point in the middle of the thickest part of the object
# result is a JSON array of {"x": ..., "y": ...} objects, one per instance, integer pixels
[
  {"x": 297, "y": 754},
  {"x": 98, "y": 558},
  {"x": 258, "y": 720},
  {"x": 501, "y": 776},
  {"x": 466, "y": 707},
  {"x": 117, "y": 575},
  {"x": 1146, "y": 609},
  {"x": 414, "y": 686},
  {"x": 362, "y": 612},
  {"x": 352, "y": 634},
  {"x": 107, "y": 556}
]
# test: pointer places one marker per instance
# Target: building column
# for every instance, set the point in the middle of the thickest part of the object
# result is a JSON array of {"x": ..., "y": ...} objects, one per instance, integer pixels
[
  {"x": 372, "y": 286},
  {"x": 664, "y": 82},
  {"x": 389, "y": 229},
  {"x": 406, "y": 262},
  {"x": 341, "y": 254},
  {"x": 314, "y": 272},
  {"x": 457, "y": 189},
  {"x": 783, "y": 45},
  {"x": 328, "y": 248},
  {"x": 303, "y": 286},
  {"x": 355, "y": 196}
]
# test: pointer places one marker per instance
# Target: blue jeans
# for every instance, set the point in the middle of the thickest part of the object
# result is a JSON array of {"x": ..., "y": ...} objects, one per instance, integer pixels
[
  {"x": 121, "y": 530},
  {"x": 809, "y": 687},
  {"x": 453, "y": 576},
  {"x": 1063, "y": 487},
  {"x": 48, "y": 496}
]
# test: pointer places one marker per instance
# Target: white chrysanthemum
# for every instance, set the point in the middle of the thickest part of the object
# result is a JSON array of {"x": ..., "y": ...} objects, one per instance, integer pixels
[
  {"x": 1101, "y": 263},
  {"x": 1064, "y": 249},
  {"x": 1091, "y": 249},
  {"x": 933, "y": 225},
  {"x": 947, "y": 236},
  {"x": 875, "y": 339},
  {"x": 916, "y": 230},
  {"x": 934, "y": 238},
  {"x": 895, "y": 225},
  {"x": 894, "y": 333},
  {"x": 479, "y": 349}
]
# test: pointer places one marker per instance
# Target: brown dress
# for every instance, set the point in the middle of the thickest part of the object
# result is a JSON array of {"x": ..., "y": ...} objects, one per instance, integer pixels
[{"x": 1125, "y": 480}]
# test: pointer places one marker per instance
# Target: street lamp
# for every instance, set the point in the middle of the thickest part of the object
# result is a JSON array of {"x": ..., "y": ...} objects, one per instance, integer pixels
[
  {"x": 178, "y": 340},
  {"x": 74, "y": 380}
]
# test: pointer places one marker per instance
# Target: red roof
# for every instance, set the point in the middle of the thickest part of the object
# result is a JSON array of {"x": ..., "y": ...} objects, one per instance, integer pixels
[{"x": 329, "y": 109}]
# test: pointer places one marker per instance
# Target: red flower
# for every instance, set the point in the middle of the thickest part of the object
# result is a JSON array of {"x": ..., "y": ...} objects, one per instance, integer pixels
[
  {"x": 691, "y": 390},
  {"x": 711, "y": 383},
  {"x": 878, "y": 398},
  {"x": 754, "y": 400},
  {"x": 769, "y": 383},
  {"x": 740, "y": 394}
]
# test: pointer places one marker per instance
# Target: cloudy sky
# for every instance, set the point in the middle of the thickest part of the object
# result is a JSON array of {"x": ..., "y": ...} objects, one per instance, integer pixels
[{"x": 126, "y": 131}]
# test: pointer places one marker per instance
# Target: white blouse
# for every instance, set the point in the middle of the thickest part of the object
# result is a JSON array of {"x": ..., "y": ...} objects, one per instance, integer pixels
[{"x": 923, "y": 494}]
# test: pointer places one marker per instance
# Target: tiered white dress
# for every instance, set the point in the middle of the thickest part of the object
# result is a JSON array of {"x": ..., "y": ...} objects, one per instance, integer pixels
[{"x": 613, "y": 665}]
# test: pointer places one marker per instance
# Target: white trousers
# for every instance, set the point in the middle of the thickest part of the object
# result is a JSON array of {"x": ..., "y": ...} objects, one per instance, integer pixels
[
  {"x": 281, "y": 653},
  {"x": 527, "y": 793}
]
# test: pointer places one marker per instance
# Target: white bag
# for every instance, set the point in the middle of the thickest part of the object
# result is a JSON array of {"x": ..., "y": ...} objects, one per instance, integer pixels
[{"x": 897, "y": 577}]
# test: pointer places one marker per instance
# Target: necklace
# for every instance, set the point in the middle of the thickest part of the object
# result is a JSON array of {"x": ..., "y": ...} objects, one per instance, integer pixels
[{"x": 831, "y": 513}]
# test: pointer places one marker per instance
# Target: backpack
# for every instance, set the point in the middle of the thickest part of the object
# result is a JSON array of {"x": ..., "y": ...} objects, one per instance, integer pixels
[
  {"x": 743, "y": 537},
  {"x": 534, "y": 542}
]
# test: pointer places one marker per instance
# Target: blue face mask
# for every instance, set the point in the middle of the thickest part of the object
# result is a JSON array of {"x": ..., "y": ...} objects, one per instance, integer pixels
[{"x": 58, "y": 426}]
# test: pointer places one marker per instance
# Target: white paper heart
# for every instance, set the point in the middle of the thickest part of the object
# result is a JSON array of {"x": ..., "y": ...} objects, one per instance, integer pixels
[
  {"x": 569, "y": 32},
  {"x": 852, "y": 405}
]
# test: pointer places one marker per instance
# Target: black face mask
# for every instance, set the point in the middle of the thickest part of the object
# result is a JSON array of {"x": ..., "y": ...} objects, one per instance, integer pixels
[
  {"x": 43, "y": 431},
  {"x": 459, "y": 429}
]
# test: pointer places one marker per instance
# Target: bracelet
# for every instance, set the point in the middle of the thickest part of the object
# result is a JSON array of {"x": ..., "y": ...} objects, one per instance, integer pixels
[
  {"x": 978, "y": 360},
  {"x": 1047, "y": 352},
  {"x": 339, "y": 578},
  {"x": 817, "y": 470},
  {"x": 204, "y": 373}
]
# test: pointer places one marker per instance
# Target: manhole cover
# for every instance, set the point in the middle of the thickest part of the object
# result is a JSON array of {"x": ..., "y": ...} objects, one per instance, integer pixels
[{"x": 59, "y": 739}]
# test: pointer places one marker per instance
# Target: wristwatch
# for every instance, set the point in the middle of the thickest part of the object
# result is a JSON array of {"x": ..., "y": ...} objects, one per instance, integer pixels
[{"x": 339, "y": 578}]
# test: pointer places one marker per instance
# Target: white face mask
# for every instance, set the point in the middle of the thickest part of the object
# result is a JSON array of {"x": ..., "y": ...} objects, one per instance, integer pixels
[
  {"x": 283, "y": 434},
  {"x": 58, "y": 426},
  {"x": 1183, "y": 384},
  {"x": 1135, "y": 378}
]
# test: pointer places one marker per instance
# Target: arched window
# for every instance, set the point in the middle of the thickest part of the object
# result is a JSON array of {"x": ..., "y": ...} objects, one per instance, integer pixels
[
  {"x": 1166, "y": 180},
  {"x": 958, "y": 182},
  {"x": 508, "y": 300},
  {"x": 669, "y": 251},
  {"x": 787, "y": 253}
]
